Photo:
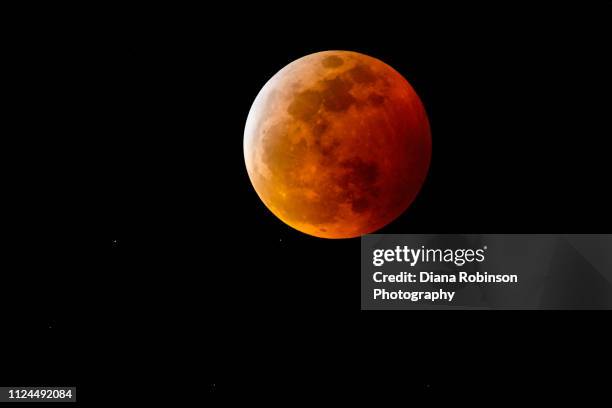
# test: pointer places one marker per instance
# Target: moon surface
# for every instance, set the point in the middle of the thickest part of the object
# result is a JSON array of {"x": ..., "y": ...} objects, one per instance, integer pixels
[{"x": 337, "y": 144}]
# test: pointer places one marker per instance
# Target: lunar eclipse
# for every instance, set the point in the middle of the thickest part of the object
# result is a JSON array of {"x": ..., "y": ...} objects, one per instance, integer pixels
[{"x": 337, "y": 144}]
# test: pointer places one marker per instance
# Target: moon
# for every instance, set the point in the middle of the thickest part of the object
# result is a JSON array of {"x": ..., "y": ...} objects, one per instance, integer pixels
[{"x": 337, "y": 144}]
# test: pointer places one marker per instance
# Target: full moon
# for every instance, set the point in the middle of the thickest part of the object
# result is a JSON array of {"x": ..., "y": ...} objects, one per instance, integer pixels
[{"x": 337, "y": 144}]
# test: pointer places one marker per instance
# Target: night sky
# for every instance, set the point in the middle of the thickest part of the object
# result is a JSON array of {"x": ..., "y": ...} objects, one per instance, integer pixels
[{"x": 142, "y": 255}]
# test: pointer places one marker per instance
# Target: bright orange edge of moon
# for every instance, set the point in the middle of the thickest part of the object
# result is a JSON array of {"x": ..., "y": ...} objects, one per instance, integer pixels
[{"x": 337, "y": 144}]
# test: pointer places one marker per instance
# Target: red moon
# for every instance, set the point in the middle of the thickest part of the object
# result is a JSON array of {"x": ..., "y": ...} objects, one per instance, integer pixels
[{"x": 337, "y": 144}]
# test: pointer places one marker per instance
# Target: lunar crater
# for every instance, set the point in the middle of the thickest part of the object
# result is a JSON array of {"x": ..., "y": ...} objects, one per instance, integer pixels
[{"x": 332, "y": 61}]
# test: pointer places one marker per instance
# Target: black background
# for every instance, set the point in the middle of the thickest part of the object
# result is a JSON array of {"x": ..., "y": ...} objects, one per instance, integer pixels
[{"x": 129, "y": 128}]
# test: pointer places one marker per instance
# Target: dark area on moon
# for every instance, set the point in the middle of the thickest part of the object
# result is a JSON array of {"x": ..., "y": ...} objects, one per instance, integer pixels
[
  {"x": 335, "y": 96},
  {"x": 140, "y": 265},
  {"x": 358, "y": 182}
]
